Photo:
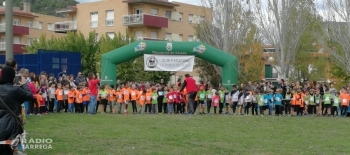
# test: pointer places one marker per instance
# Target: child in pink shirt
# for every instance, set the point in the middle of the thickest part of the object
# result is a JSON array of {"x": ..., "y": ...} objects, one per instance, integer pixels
[{"x": 216, "y": 100}]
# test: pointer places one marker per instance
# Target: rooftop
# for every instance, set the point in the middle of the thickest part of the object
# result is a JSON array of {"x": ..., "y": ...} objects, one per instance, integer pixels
[
  {"x": 157, "y": 2},
  {"x": 19, "y": 13},
  {"x": 67, "y": 9}
]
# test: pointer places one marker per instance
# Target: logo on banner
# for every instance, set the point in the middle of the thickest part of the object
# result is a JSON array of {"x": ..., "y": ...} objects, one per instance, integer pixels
[
  {"x": 169, "y": 46},
  {"x": 140, "y": 47},
  {"x": 200, "y": 49},
  {"x": 151, "y": 62}
]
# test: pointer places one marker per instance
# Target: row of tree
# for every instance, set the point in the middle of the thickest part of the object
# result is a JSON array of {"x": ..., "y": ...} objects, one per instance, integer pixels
[
  {"x": 309, "y": 42},
  {"x": 91, "y": 51}
]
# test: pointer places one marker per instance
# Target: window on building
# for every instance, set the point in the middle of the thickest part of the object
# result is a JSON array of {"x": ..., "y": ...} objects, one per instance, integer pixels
[
  {"x": 110, "y": 35},
  {"x": 138, "y": 11},
  {"x": 30, "y": 41},
  {"x": 190, "y": 38},
  {"x": 190, "y": 18},
  {"x": 110, "y": 18},
  {"x": 201, "y": 18},
  {"x": 16, "y": 22},
  {"x": 180, "y": 37},
  {"x": 16, "y": 40},
  {"x": 154, "y": 35},
  {"x": 180, "y": 16},
  {"x": 168, "y": 14},
  {"x": 154, "y": 11},
  {"x": 50, "y": 26},
  {"x": 168, "y": 36},
  {"x": 30, "y": 24},
  {"x": 139, "y": 34},
  {"x": 40, "y": 25},
  {"x": 94, "y": 19}
]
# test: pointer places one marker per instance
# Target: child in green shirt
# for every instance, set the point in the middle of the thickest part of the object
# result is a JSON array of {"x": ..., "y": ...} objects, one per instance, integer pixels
[
  {"x": 327, "y": 102},
  {"x": 336, "y": 102},
  {"x": 201, "y": 97},
  {"x": 222, "y": 99},
  {"x": 154, "y": 100}
]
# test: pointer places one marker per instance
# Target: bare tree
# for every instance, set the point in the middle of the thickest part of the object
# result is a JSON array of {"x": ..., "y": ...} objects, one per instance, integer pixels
[
  {"x": 282, "y": 23},
  {"x": 226, "y": 29},
  {"x": 335, "y": 36}
]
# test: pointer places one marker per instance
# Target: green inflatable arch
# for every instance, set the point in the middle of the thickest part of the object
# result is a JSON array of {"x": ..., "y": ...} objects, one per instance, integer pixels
[{"x": 201, "y": 50}]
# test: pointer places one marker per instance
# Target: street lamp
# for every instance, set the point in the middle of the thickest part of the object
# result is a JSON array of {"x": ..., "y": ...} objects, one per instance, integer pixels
[{"x": 271, "y": 59}]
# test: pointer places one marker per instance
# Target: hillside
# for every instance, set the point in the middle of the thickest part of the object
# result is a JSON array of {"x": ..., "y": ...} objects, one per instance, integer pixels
[{"x": 46, "y": 7}]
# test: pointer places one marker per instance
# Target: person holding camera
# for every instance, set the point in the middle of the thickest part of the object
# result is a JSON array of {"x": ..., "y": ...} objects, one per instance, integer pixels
[{"x": 11, "y": 98}]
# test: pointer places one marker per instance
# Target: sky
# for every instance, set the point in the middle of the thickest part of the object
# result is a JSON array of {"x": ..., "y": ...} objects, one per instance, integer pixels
[{"x": 195, "y": 2}]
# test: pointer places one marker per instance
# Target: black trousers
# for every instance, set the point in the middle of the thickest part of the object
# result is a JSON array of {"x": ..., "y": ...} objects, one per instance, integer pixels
[
  {"x": 215, "y": 109},
  {"x": 299, "y": 110},
  {"x": 178, "y": 108},
  {"x": 278, "y": 110},
  {"x": 334, "y": 110},
  {"x": 6, "y": 150},
  {"x": 262, "y": 108},
  {"x": 325, "y": 108},
  {"x": 134, "y": 106},
  {"x": 42, "y": 109},
  {"x": 195, "y": 105},
  {"x": 246, "y": 107},
  {"x": 59, "y": 105},
  {"x": 287, "y": 107},
  {"x": 344, "y": 110},
  {"x": 81, "y": 105},
  {"x": 165, "y": 107},
  {"x": 51, "y": 105},
  {"x": 160, "y": 104},
  {"x": 311, "y": 109},
  {"x": 31, "y": 105},
  {"x": 234, "y": 107},
  {"x": 65, "y": 105},
  {"x": 97, "y": 105},
  {"x": 148, "y": 108},
  {"x": 208, "y": 105},
  {"x": 104, "y": 103},
  {"x": 255, "y": 108},
  {"x": 221, "y": 106}
]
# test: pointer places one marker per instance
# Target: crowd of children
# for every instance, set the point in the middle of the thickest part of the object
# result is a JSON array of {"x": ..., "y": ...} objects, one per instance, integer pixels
[{"x": 240, "y": 101}]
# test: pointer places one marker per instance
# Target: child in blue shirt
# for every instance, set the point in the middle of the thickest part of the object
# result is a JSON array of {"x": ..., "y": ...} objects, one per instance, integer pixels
[
  {"x": 267, "y": 99},
  {"x": 278, "y": 100}
]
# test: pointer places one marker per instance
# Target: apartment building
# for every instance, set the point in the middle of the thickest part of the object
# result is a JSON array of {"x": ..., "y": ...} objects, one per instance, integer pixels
[
  {"x": 145, "y": 19},
  {"x": 26, "y": 27}
]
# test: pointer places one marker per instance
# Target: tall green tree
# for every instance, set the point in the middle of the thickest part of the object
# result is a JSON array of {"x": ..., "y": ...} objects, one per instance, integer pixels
[
  {"x": 74, "y": 42},
  {"x": 226, "y": 24},
  {"x": 91, "y": 51},
  {"x": 46, "y": 7}
]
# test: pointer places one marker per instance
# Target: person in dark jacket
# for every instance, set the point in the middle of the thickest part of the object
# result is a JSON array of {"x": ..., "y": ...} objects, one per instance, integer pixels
[{"x": 13, "y": 97}]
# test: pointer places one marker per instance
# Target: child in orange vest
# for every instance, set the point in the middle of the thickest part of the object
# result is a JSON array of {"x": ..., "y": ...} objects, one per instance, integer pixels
[
  {"x": 39, "y": 100},
  {"x": 71, "y": 98},
  {"x": 148, "y": 102},
  {"x": 59, "y": 97},
  {"x": 79, "y": 100},
  {"x": 86, "y": 98},
  {"x": 119, "y": 96},
  {"x": 142, "y": 100},
  {"x": 111, "y": 98}
]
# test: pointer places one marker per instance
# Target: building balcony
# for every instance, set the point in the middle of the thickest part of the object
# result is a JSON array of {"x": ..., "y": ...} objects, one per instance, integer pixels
[
  {"x": 17, "y": 47},
  {"x": 17, "y": 29},
  {"x": 64, "y": 27},
  {"x": 139, "y": 20},
  {"x": 148, "y": 38}
]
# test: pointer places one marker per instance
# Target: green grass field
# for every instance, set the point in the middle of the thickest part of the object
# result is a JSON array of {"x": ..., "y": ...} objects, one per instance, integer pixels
[{"x": 107, "y": 134}]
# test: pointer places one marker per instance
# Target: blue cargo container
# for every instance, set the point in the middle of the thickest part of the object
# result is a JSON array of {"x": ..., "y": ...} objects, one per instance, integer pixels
[{"x": 49, "y": 61}]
